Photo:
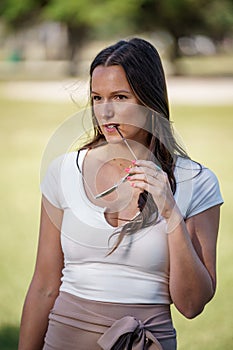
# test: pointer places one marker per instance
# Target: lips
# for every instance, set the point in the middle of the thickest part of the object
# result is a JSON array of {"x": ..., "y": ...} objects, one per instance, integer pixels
[{"x": 111, "y": 127}]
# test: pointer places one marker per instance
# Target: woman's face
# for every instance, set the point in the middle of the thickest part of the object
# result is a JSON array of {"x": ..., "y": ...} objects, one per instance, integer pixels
[{"x": 115, "y": 104}]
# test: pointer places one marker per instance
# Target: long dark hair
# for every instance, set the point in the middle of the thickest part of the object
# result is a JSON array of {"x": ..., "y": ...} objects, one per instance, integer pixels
[{"x": 143, "y": 68}]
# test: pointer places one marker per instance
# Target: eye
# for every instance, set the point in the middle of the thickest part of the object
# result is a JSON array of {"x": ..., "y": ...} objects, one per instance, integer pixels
[
  {"x": 96, "y": 98},
  {"x": 121, "y": 97}
]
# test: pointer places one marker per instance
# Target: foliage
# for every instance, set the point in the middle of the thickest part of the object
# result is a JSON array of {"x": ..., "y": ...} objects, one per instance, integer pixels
[
  {"x": 187, "y": 18},
  {"x": 17, "y": 13},
  {"x": 180, "y": 17},
  {"x": 218, "y": 18},
  {"x": 90, "y": 18},
  {"x": 90, "y": 12}
]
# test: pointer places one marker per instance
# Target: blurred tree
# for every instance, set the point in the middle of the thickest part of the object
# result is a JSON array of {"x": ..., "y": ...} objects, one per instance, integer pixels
[
  {"x": 187, "y": 17},
  {"x": 98, "y": 18},
  {"x": 85, "y": 18},
  {"x": 19, "y": 13},
  {"x": 218, "y": 18}
]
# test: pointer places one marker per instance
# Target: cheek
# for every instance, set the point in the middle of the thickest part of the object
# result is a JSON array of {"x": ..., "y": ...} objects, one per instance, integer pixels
[
  {"x": 97, "y": 111},
  {"x": 137, "y": 118}
]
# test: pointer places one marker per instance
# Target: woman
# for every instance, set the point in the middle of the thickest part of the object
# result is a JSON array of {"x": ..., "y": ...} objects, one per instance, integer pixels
[{"x": 129, "y": 222}]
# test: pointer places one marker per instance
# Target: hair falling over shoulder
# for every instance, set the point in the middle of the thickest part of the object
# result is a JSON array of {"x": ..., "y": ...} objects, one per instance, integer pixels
[{"x": 144, "y": 71}]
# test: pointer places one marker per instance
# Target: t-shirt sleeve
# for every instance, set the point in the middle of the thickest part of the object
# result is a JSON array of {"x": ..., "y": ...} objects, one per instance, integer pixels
[
  {"x": 206, "y": 192},
  {"x": 50, "y": 185}
]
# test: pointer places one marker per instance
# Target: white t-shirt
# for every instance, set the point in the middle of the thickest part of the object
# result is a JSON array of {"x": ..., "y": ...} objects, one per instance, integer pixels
[{"x": 138, "y": 271}]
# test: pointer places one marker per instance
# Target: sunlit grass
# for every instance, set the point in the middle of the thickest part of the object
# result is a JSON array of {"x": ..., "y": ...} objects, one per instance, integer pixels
[{"x": 25, "y": 130}]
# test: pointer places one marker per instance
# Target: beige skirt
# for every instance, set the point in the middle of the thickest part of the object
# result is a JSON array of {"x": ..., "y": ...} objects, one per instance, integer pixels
[{"x": 79, "y": 324}]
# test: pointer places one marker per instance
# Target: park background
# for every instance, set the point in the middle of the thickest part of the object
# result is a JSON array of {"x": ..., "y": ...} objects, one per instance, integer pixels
[{"x": 45, "y": 50}]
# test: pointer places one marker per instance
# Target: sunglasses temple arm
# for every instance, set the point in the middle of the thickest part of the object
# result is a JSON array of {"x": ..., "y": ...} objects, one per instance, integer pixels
[{"x": 125, "y": 141}]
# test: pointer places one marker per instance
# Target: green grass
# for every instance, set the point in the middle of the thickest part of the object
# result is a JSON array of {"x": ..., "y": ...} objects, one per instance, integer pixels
[{"x": 25, "y": 130}]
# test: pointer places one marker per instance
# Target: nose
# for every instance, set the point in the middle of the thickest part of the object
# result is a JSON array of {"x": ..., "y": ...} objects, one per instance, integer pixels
[{"x": 107, "y": 110}]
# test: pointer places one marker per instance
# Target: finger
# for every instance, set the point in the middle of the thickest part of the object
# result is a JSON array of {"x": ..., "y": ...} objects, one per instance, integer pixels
[
  {"x": 148, "y": 178},
  {"x": 144, "y": 171},
  {"x": 142, "y": 186},
  {"x": 140, "y": 170}
]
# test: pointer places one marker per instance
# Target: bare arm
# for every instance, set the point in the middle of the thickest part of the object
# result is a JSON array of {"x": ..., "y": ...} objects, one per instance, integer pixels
[
  {"x": 192, "y": 248},
  {"x": 192, "y": 244},
  {"x": 46, "y": 280}
]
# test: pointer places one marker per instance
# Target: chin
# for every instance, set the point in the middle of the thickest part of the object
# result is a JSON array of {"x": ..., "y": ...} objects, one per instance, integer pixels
[{"x": 112, "y": 139}]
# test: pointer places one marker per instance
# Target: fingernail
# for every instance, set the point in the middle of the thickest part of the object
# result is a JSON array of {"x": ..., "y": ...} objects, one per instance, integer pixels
[
  {"x": 132, "y": 184},
  {"x": 133, "y": 161},
  {"x": 128, "y": 177},
  {"x": 127, "y": 170}
]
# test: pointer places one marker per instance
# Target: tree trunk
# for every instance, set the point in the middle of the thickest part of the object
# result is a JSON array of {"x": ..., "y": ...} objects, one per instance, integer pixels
[{"x": 76, "y": 37}]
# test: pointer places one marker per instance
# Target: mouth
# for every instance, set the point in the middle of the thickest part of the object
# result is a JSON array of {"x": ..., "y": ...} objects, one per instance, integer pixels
[{"x": 111, "y": 127}]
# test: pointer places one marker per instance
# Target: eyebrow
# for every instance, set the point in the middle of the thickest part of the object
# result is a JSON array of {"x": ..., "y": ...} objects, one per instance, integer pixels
[{"x": 115, "y": 92}]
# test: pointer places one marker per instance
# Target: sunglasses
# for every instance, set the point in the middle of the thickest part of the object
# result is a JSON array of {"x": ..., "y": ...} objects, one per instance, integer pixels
[{"x": 121, "y": 181}]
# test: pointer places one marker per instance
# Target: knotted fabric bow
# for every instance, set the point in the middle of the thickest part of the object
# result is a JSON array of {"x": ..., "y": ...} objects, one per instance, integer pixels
[{"x": 128, "y": 333}]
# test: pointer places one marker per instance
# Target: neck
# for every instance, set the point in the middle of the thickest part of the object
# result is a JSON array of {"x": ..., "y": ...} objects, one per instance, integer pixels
[{"x": 127, "y": 149}]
